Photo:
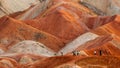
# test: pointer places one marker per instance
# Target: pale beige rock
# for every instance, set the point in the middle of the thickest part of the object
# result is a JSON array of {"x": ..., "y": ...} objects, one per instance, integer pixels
[
  {"x": 82, "y": 39},
  {"x": 31, "y": 47},
  {"x": 11, "y": 6},
  {"x": 109, "y": 7}
]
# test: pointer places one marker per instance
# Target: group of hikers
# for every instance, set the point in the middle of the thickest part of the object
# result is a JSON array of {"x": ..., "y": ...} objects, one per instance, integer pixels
[
  {"x": 99, "y": 52},
  {"x": 76, "y": 53}
]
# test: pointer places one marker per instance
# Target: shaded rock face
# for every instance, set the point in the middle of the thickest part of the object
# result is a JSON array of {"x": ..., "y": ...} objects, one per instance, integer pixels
[{"x": 107, "y": 7}]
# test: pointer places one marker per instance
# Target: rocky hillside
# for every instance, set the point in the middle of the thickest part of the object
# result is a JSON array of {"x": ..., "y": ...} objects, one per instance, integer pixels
[{"x": 58, "y": 34}]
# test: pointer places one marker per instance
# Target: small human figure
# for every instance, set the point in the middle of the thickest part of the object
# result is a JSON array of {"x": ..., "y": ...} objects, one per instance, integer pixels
[
  {"x": 75, "y": 53},
  {"x": 95, "y": 52},
  {"x": 100, "y": 52},
  {"x": 61, "y": 53}
]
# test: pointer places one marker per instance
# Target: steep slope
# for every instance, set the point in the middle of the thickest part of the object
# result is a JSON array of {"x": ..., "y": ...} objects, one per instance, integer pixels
[
  {"x": 63, "y": 18},
  {"x": 68, "y": 29},
  {"x": 69, "y": 18},
  {"x": 73, "y": 6},
  {"x": 110, "y": 47},
  {"x": 14, "y": 31}
]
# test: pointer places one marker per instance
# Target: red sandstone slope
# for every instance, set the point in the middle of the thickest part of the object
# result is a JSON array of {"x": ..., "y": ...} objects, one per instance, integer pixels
[
  {"x": 68, "y": 20},
  {"x": 111, "y": 47},
  {"x": 63, "y": 22},
  {"x": 108, "y": 46},
  {"x": 73, "y": 6},
  {"x": 14, "y": 31}
]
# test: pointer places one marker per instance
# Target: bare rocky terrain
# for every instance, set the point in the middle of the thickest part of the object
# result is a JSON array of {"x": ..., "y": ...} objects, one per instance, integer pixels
[{"x": 59, "y": 34}]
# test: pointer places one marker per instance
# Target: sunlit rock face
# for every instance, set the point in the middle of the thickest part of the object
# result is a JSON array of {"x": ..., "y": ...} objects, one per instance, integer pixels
[{"x": 108, "y": 7}]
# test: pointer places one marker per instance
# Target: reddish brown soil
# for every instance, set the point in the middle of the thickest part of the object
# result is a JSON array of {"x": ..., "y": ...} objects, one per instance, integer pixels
[
  {"x": 64, "y": 25},
  {"x": 62, "y": 20},
  {"x": 24, "y": 32}
]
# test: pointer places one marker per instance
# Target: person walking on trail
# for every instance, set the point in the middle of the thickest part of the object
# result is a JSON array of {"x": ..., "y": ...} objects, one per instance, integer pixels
[
  {"x": 76, "y": 53},
  {"x": 95, "y": 52},
  {"x": 100, "y": 52},
  {"x": 61, "y": 53}
]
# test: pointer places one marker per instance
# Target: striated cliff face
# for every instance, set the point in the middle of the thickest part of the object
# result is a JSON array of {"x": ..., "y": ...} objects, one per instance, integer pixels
[
  {"x": 101, "y": 7},
  {"x": 59, "y": 34},
  {"x": 11, "y": 6},
  {"x": 106, "y": 7}
]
